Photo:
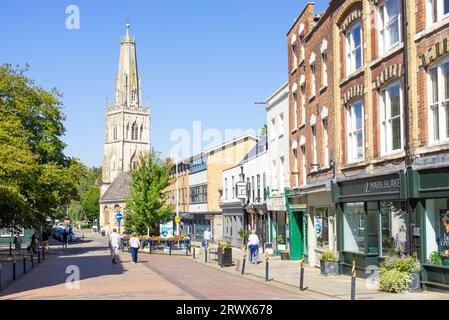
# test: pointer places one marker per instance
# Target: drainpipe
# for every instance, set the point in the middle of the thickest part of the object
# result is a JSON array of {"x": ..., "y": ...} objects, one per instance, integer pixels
[{"x": 408, "y": 157}]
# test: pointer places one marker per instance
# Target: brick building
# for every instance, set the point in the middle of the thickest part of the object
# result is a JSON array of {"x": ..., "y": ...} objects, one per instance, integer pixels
[{"x": 387, "y": 110}]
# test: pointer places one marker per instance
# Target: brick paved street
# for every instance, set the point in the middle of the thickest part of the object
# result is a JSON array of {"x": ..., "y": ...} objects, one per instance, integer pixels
[{"x": 155, "y": 277}]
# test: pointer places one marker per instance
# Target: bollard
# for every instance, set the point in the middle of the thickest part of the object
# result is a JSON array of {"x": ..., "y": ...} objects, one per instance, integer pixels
[
  {"x": 150, "y": 244},
  {"x": 244, "y": 261},
  {"x": 10, "y": 248},
  {"x": 32, "y": 261},
  {"x": 267, "y": 266},
  {"x": 170, "y": 244},
  {"x": 301, "y": 278},
  {"x": 24, "y": 265},
  {"x": 187, "y": 250},
  {"x": 38, "y": 256},
  {"x": 43, "y": 253},
  {"x": 194, "y": 250},
  {"x": 205, "y": 255},
  {"x": 14, "y": 269},
  {"x": 222, "y": 256},
  {"x": 353, "y": 281}
]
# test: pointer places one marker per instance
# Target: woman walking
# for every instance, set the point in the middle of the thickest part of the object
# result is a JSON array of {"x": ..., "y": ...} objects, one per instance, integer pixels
[
  {"x": 134, "y": 245},
  {"x": 253, "y": 244}
]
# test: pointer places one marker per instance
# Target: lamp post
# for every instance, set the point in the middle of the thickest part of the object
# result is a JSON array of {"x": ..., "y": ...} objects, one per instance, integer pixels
[{"x": 177, "y": 199}]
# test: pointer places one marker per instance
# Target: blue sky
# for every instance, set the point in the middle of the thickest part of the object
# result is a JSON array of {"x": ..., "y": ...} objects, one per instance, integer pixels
[{"x": 206, "y": 60}]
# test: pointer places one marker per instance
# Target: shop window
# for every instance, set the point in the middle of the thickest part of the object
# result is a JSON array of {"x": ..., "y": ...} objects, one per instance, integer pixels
[
  {"x": 354, "y": 59},
  {"x": 393, "y": 228},
  {"x": 439, "y": 102},
  {"x": 354, "y": 227},
  {"x": 437, "y": 231},
  {"x": 389, "y": 25},
  {"x": 391, "y": 119},
  {"x": 322, "y": 228},
  {"x": 355, "y": 128}
]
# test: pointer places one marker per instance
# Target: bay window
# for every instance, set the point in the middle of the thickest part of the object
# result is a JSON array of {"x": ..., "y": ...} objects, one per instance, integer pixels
[
  {"x": 391, "y": 118},
  {"x": 389, "y": 25},
  {"x": 355, "y": 129},
  {"x": 354, "y": 58},
  {"x": 439, "y": 102}
]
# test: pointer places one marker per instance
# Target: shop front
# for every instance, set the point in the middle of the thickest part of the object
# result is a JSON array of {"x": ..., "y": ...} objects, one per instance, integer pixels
[
  {"x": 233, "y": 223},
  {"x": 321, "y": 222},
  {"x": 429, "y": 189},
  {"x": 200, "y": 223},
  {"x": 372, "y": 222},
  {"x": 297, "y": 226},
  {"x": 277, "y": 222}
]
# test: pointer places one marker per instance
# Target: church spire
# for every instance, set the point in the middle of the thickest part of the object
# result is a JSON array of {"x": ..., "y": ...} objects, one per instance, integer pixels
[{"x": 127, "y": 86}]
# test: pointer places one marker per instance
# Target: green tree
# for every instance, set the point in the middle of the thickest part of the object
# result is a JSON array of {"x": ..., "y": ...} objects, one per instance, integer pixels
[
  {"x": 146, "y": 207},
  {"x": 264, "y": 131},
  {"x": 36, "y": 178},
  {"x": 90, "y": 203}
]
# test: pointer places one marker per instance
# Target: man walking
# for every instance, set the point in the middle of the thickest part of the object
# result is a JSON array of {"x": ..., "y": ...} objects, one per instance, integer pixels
[
  {"x": 114, "y": 244},
  {"x": 17, "y": 242},
  {"x": 65, "y": 238},
  {"x": 207, "y": 237}
]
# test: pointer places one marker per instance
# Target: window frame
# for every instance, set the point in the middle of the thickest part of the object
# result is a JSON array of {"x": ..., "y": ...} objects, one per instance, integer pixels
[
  {"x": 386, "y": 120},
  {"x": 351, "y": 137},
  {"x": 436, "y": 13},
  {"x": 443, "y": 114},
  {"x": 351, "y": 61},
  {"x": 384, "y": 27}
]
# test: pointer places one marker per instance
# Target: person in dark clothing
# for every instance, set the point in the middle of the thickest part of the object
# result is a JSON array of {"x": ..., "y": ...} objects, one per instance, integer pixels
[
  {"x": 33, "y": 243},
  {"x": 65, "y": 237}
]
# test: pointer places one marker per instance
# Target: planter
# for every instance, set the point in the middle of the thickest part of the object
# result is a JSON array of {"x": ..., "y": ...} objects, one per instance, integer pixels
[
  {"x": 285, "y": 256},
  {"x": 329, "y": 268},
  {"x": 415, "y": 282},
  {"x": 225, "y": 259}
]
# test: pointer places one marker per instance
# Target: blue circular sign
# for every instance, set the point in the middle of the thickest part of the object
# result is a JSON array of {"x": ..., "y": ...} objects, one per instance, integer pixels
[
  {"x": 164, "y": 231},
  {"x": 119, "y": 216}
]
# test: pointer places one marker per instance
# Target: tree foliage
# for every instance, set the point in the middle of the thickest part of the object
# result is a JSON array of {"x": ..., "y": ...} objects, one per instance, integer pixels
[
  {"x": 147, "y": 206},
  {"x": 36, "y": 178}
]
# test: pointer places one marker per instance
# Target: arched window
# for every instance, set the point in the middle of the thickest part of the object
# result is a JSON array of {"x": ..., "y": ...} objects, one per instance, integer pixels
[
  {"x": 141, "y": 132},
  {"x": 134, "y": 132}
]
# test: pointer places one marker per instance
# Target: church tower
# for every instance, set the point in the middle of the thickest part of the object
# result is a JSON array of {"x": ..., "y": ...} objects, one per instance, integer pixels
[
  {"x": 126, "y": 137},
  {"x": 127, "y": 132}
]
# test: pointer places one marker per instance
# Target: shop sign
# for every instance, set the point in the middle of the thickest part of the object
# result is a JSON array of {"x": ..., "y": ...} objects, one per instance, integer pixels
[
  {"x": 276, "y": 203},
  {"x": 383, "y": 184},
  {"x": 372, "y": 185}
]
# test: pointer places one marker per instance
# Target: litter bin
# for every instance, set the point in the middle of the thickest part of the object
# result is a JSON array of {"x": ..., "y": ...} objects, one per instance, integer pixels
[{"x": 103, "y": 233}]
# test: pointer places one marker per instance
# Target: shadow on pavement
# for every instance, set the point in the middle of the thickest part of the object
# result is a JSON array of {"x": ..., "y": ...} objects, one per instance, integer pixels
[{"x": 61, "y": 268}]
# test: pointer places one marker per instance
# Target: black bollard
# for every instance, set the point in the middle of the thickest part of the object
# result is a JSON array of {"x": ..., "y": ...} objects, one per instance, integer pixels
[
  {"x": 205, "y": 255},
  {"x": 267, "y": 266},
  {"x": 24, "y": 265},
  {"x": 222, "y": 256},
  {"x": 170, "y": 244},
  {"x": 194, "y": 250},
  {"x": 301, "y": 277},
  {"x": 150, "y": 244},
  {"x": 32, "y": 261},
  {"x": 353, "y": 281},
  {"x": 244, "y": 261},
  {"x": 10, "y": 248},
  {"x": 14, "y": 270},
  {"x": 38, "y": 256},
  {"x": 43, "y": 253},
  {"x": 187, "y": 250}
]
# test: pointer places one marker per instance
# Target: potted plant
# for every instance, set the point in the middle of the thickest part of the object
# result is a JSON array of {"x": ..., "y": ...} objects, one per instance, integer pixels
[
  {"x": 398, "y": 274},
  {"x": 329, "y": 263},
  {"x": 285, "y": 255},
  {"x": 224, "y": 253},
  {"x": 436, "y": 259},
  {"x": 280, "y": 241}
]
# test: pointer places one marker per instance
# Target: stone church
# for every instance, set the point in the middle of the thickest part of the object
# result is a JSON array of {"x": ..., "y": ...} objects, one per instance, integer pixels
[{"x": 127, "y": 135}]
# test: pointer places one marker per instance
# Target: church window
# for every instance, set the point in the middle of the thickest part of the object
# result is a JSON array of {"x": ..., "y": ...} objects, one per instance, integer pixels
[
  {"x": 141, "y": 132},
  {"x": 115, "y": 133},
  {"x": 134, "y": 132}
]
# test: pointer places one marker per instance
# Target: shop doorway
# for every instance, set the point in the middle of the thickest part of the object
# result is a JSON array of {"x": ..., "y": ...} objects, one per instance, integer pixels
[{"x": 296, "y": 235}]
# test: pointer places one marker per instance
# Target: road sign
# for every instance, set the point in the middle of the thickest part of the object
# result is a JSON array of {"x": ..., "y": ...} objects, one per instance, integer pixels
[
  {"x": 178, "y": 219},
  {"x": 119, "y": 216}
]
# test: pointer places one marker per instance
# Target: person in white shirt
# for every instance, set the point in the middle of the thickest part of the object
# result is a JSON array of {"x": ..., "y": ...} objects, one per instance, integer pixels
[
  {"x": 114, "y": 244},
  {"x": 401, "y": 240},
  {"x": 207, "y": 237},
  {"x": 253, "y": 245},
  {"x": 134, "y": 245}
]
